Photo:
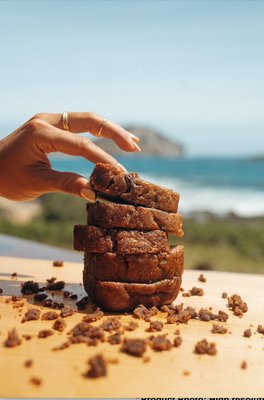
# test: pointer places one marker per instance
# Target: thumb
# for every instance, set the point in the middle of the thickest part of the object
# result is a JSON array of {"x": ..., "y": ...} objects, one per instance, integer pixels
[{"x": 71, "y": 183}]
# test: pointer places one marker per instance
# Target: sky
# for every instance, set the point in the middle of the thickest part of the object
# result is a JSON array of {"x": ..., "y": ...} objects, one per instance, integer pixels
[{"x": 194, "y": 70}]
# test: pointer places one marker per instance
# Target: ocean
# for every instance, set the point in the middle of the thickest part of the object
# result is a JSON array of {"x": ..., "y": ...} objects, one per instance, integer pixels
[{"x": 217, "y": 185}]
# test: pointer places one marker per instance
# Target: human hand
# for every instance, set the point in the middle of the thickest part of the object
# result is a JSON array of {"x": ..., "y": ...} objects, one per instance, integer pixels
[{"x": 25, "y": 170}]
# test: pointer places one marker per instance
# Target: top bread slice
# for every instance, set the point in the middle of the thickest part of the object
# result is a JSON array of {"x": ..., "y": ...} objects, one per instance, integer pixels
[{"x": 110, "y": 181}]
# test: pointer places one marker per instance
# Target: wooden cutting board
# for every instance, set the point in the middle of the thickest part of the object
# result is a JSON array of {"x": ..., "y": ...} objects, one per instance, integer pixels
[{"x": 175, "y": 373}]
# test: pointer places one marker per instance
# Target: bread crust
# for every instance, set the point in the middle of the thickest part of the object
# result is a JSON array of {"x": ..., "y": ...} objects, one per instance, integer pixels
[
  {"x": 112, "y": 215},
  {"x": 99, "y": 240},
  {"x": 136, "y": 268},
  {"x": 119, "y": 296},
  {"x": 111, "y": 181}
]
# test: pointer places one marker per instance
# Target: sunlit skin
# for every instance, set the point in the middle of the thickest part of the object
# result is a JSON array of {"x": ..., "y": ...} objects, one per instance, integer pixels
[{"x": 25, "y": 170}]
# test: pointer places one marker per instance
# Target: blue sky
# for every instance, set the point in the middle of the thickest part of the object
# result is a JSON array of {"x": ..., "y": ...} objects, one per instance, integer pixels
[{"x": 193, "y": 69}]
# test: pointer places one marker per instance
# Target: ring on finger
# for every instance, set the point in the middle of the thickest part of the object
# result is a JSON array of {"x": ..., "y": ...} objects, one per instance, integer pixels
[
  {"x": 65, "y": 121},
  {"x": 101, "y": 127}
]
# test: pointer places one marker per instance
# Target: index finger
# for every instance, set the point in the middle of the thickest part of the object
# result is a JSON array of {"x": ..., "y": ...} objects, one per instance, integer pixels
[{"x": 79, "y": 122}]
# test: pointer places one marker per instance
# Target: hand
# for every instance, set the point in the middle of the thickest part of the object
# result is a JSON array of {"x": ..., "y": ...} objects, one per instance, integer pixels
[{"x": 25, "y": 170}]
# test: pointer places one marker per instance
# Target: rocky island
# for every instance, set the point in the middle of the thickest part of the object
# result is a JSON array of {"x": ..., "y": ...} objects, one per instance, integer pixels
[{"x": 152, "y": 143}]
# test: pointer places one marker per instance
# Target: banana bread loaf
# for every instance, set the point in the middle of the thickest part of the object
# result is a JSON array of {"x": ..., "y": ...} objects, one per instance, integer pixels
[
  {"x": 118, "y": 296},
  {"x": 99, "y": 240},
  {"x": 113, "y": 215},
  {"x": 111, "y": 181},
  {"x": 141, "y": 268}
]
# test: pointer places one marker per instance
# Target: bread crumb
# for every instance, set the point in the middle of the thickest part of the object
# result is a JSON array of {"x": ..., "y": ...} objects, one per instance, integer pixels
[
  {"x": 202, "y": 278},
  {"x": 243, "y": 365}
]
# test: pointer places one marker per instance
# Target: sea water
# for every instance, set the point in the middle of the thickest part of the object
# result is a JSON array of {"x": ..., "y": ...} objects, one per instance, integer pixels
[{"x": 217, "y": 185}]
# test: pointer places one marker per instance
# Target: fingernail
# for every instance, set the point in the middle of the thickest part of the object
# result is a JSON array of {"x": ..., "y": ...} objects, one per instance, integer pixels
[
  {"x": 122, "y": 167},
  {"x": 136, "y": 146},
  {"x": 134, "y": 137},
  {"x": 88, "y": 194}
]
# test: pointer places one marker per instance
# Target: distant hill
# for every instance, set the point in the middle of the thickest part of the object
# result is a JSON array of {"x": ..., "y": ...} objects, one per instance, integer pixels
[
  {"x": 259, "y": 157},
  {"x": 152, "y": 143}
]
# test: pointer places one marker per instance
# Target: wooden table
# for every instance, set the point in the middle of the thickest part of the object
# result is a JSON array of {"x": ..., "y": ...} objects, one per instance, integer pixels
[{"x": 175, "y": 373}]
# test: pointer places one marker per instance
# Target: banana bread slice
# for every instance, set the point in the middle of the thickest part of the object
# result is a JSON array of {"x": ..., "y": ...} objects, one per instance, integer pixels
[
  {"x": 111, "y": 181},
  {"x": 99, "y": 240},
  {"x": 113, "y": 215},
  {"x": 119, "y": 296},
  {"x": 140, "y": 268}
]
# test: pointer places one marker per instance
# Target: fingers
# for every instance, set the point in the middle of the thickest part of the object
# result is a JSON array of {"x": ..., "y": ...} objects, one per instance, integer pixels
[
  {"x": 90, "y": 122},
  {"x": 67, "y": 182},
  {"x": 53, "y": 140}
]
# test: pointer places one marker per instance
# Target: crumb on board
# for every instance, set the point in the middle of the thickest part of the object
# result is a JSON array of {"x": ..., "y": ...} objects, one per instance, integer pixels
[
  {"x": 142, "y": 312},
  {"x": 49, "y": 303},
  {"x": 84, "y": 332},
  {"x": 58, "y": 263},
  {"x": 206, "y": 315},
  {"x": 69, "y": 295},
  {"x": 113, "y": 360},
  {"x": 44, "y": 333},
  {"x": 13, "y": 299},
  {"x": 260, "y": 329},
  {"x": 28, "y": 363},
  {"x": 58, "y": 285},
  {"x": 247, "y": 333},
  {"x": 39, "y": 297},
  {"x": 219, "y": 329},
  {"x": 146, "y": 359},
  {"x": 222, "y": 316},
  {"x": 160, "y": 343},
  {"x": 31, "y": 287},
  {"x": 111, "y": 324},
  {"x": 155, "y": 326},
  {"x": 59, "y": 325},
  {"x": 131, "y": 326},
  {"x": 67, "y": 312},
  {"x": 224, "y": 295},
  {"x": 35, "y": 381},
  {"x": 49, "y": 316},
  {"x": 178, "y": 314},
  {"x": 81, "y": 304},
  {"x": 243, "y": 365},
  {"x": 202, "y": 278},
  {"x": 32, "y": 314},
  {"x": 115, "y": 338},
  {"x": 237, "y": 305},
  {"x": 192, "y": 312},
  {"x": 51, "y": 280},
  {"x": 204, "y": 347},
  {"x": 95, "y": 316},
  {"x": 62, "y": 346},
  {"x": 12, "y": 339},
  {"x": 195, "y": 291},
  {"x": 27, "y": 337},
  {"x": 98, "y": 367},
  {"x": 18, "y": 305},
  {"x": 177, "y": 341},
  {"x": 134, "y": 347}
]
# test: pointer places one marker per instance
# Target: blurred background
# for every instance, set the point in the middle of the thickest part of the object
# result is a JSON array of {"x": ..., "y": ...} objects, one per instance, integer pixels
[{"x": 186, "y": 76}]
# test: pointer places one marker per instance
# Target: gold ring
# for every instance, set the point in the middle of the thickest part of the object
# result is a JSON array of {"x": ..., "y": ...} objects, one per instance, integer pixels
[
  {"x": 65, "y": 118},
  {"x": 101, "y": 127}
]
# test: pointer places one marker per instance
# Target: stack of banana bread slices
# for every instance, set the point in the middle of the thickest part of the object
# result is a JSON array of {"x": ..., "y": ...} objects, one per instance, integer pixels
[{"x": 128, "y": 259}]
